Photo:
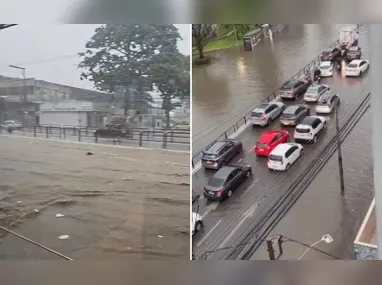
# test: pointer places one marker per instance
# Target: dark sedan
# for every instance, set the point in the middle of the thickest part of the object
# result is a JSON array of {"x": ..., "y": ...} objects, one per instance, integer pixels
[
  {"x": 353, "y": 52},
  {"x": 330, "y": 54},
  {"x": 294, "y": 114},
  {"x": 226, "y": 180}
]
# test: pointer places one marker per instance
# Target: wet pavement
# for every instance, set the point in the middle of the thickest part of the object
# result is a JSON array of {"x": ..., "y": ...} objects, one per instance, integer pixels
[
  {"x": 119, "y": 203},
  {"x": 238, "y": 80},
  {"x": 228, "y": 222}
]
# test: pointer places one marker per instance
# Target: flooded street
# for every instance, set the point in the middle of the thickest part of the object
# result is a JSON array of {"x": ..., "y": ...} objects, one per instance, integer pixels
[
  {"x": 237, "y": 80},
  {"x": 119, "y": 203}
]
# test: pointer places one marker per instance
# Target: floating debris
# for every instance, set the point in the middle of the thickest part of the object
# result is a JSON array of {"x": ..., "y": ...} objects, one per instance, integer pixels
[
  {"x": 64, "y": 237},
  {"x": 159, "y": 236},
  {"x": 59, "y": 215},
  {"x": 89, "y": 153},
  {"x": 36, "y": 210},
  {"x": 19, "y": 202}
]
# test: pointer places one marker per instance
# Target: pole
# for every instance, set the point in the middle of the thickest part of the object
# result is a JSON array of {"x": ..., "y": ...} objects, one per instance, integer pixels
[
  {"x": 341, "y": 169},
  {"x": 25, "y": 93},
  {"x": 375, "y": 41},
  {"x": 271, "y": 250}
]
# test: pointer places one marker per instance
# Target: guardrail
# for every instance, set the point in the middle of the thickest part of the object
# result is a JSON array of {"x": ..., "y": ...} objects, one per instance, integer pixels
[
  {"x": 242, "y": 123},
  {"x": 166, "y": 139}
]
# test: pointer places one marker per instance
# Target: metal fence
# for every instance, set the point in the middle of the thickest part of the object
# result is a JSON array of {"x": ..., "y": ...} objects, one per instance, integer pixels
[
  {"x": 242, "y": 123},
  {"x": 151, "y": 138}
]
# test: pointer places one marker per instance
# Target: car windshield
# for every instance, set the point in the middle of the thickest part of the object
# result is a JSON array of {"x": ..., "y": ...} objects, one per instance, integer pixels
[
  {"x": 312, "y": 91},
  {"x": 302, "y": 130},
  {"x": 275, "y": 157},
  {"x": 325, "y": 66},
  {"x": 353, "y": 49},
  {"x": 322, "y": 103},
  {"x": 288, "y": 113},
  {"x": 261, "y": 145},
  {"x": 209, "y": 156},
  {"x": 287, "y": 85},
  {"x": 216, "y": 182},
  {"x": 256, "y": 114},
  {"x": 352, "y": 65}
]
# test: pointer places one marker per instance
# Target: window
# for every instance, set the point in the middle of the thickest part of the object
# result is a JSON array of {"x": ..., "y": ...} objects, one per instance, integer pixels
[
  {"x": 293, "y": 149},
  {"x": 236, "y": 172},
  {"x": 273, "y": 157},
  {"x": 315, "y": 123},
  {"x": 302, "y": 130},
  {"x": 230, "y": 177},
  {"x": 216, "y": 182},
  {"x": 256, "y": 114},
  {"x": 270, "y": 109},
  {"x": 288, "y": 153},
  {"x": 261, "y": 145}
]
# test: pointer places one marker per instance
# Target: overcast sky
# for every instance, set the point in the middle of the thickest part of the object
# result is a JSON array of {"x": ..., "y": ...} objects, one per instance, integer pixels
[{"x": 49, "y": 52}]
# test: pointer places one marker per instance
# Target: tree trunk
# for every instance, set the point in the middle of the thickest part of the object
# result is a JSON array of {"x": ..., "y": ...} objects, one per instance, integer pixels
[
  {"x": 167, "y": 119},
  {"x": 200, "y": 47}
]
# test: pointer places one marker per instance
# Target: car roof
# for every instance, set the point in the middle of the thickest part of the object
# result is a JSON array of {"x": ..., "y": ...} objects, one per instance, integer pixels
[
  {"x": 224, "y": 171},
  {"x": 355, "y": 61},
  {"x": 260, "y": 108},
  {"x": 289, "y": 83},
  {"x": 281, "y": 149},
  {"x": 292, "y": 108},
  {"x": 214, "y": 148},
  {"x": 308, "y": 120},
  {"x": 354, "y": 48},
  {"x": 325, "y": 97},
  {"x": 267, "y": 137},
  {"x": 325, "y": 63}
]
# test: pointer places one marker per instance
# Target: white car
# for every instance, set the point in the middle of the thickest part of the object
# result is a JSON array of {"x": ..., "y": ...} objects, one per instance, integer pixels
[
  {"x": 356, "y": 67},
  {"x": 309, "y": 129},
  {"x": 327, "y": 102},
  {"x": 284, "y": 155},
  {"x": 197, "y": 223},
  {"x": 264, "y": 114},
  {"x": 12, "y": 124},
  {"x": 326, "y": 68}
]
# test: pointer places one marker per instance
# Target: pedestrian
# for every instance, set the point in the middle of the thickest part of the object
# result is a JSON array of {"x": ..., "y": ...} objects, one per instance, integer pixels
[
  {"x": 317, "y": 74},
  {"x": 339, "y": 64}
]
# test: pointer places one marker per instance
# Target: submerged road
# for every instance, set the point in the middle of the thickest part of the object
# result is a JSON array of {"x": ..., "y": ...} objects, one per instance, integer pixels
[{"x": 226, "y": 223}]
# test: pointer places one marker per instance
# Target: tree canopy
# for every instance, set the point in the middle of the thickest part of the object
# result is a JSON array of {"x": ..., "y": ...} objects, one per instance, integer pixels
[
  {"x": 202, "y": 34},
  {"x": 134, "y": 59}
]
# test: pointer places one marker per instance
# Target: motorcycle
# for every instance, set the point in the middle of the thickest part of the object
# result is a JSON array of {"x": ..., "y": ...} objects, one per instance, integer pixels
[{"x": 317, "y": 79}]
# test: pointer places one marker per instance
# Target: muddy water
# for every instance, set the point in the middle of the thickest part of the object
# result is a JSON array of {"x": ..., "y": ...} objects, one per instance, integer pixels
[
  {"x": 117, "y": 203},
  {"x": 237, "y": 80}
]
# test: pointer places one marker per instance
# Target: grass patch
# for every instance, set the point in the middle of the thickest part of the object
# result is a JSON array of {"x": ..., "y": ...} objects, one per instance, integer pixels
[{"x": 222, "y": 43}]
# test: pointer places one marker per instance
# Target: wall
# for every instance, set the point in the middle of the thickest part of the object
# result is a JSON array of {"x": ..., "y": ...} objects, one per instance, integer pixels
[{"x": 365, "y": 252}]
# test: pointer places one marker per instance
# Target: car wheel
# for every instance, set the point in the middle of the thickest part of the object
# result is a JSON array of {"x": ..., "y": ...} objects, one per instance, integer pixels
[
  {"x": 229, "y": 193},
  {"x": 360, "y": 73},
  {"x": 314, "y": 139},
  {"x": 287, "y": 167},
  {"x": 198, "y": 226},
  {"x": 324, "y": 125}
]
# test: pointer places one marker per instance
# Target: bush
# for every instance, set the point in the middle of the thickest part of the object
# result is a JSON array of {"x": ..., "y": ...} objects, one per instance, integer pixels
[{"x": 200, "y": 61}]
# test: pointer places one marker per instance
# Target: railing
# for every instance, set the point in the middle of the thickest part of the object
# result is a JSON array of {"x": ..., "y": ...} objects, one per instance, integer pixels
[
  {"x": 242, "y": 123},
  {"x": 157, "y": 138}
]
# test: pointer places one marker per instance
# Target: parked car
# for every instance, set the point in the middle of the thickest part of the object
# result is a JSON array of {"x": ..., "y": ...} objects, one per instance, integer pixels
[
  {"x": 220, "y": 153},
  {"x": 269, "y": 140},
  {"x": 225, "y": 181},
  {"x": 356, "y": 67},
  {"x": 353, "y": 52},
  {"x": 330, "y": 54},
  {"x": 283, "y": 156},
  {"x": 327, "y": 103},
  {"x": 293, "y": 89},
  {"x": 309, "y": 129},
  {"x": 294, "y": 114},
  {"x": 197, "y": 223},
  {"x": 314, "y": 92},
  {"x": 12, "y": 124},
  {"x": 266, "y": 113},
  {"x": 326, "y": 68}
]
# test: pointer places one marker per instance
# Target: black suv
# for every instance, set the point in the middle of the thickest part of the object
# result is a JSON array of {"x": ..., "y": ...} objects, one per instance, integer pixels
[
  {"x": 330, "y": 54},
  {"x": 294, "y": 114},
  {"x": 225, "y": 181},
  {"x": 353, "y": 52},
  {"x": 220, "y": 152},
  {"x": 293, "y": 89}
]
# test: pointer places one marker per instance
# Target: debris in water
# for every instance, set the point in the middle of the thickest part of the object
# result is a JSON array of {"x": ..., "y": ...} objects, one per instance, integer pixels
[
  {"x": 59, "y": 215},
  {"x": 36, "y": 210},
  {"x": 89, "y": 153},
  {"x": 63, "y": 237},
  {"x": 159, "y": 236},
  {"x": 128, "y": 247},
  {"x": 19, "y": 202}
]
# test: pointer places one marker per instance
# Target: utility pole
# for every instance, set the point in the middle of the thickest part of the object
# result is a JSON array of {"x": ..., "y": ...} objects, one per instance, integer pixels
[
  {"x": 375, "y": 42},
  {"x": 341, "y": 168},
  {"x": 22, "y": 69}
]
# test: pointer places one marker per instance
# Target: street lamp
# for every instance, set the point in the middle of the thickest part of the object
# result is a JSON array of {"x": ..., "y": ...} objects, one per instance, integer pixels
[
  {"x": 22, "y": 70},
  {"x": 325, "y": 238}
]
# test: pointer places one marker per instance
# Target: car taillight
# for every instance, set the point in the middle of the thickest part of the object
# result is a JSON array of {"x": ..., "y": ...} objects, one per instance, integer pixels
[
  {"x": 263, "y": 117},
  {"x": 281, "y": 162},
  {"x": 310, "y": 134},
  {"x": 291, "y": 92},
  {"x": 221, "y": 191}
]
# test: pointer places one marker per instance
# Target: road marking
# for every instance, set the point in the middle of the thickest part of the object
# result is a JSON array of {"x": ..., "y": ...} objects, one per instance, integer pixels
[
  {"x": 247, "y": 190},
  {"x": 207, "y": 234},
  {"x": 210, "y": 208},
  {"x": 250, "y": 150},
  {"x": 240, "y": 160},
  {"x": 247, "y": 214}
]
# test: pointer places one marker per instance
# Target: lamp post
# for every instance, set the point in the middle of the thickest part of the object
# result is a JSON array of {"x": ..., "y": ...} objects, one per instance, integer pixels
[
  {"x": 325, "y": 238},
  {"x": 22, "y": 70}
]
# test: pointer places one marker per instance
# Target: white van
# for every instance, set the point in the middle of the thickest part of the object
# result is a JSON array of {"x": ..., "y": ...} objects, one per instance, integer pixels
[{"x": 284, "y": 155}]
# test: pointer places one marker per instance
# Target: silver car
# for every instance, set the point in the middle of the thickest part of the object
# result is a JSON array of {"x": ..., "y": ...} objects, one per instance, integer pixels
[
  {"x": 314, "y": 92},
  {"x": 327, "y": 103},
  {"x": 266, "y": 113}
]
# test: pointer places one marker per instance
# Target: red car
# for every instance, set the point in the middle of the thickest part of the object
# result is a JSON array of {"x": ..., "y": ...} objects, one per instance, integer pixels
[{"x": 269, "y": 140}]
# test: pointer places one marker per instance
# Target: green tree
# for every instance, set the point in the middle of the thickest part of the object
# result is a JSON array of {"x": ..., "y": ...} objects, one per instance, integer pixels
[
  {"x": 120, "y": 56},
  {"x": 171, "y": 71},
  {"x": 202, "y": 34},
  {"x": 240, "y": 29}
]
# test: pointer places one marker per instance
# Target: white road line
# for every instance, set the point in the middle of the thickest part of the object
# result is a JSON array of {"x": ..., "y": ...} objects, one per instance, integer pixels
[
  {"x": 207, "y": 234},
  {"x": 250, "y": 150},
  {"x": 210, "y": 208},
  {"x": 254, "y": 182},
  {"x": 247, "y": 190},
  {"x": 240, "y": 160}
]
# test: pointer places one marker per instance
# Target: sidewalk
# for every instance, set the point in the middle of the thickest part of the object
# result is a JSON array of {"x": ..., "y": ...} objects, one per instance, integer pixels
[{"x": 321, "y": 209}]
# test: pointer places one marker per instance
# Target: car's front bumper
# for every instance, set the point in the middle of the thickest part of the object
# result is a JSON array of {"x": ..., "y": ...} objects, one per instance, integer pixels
[
  {"x": 210, "y": 166},
  {"x": 323, "y": 110}
]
